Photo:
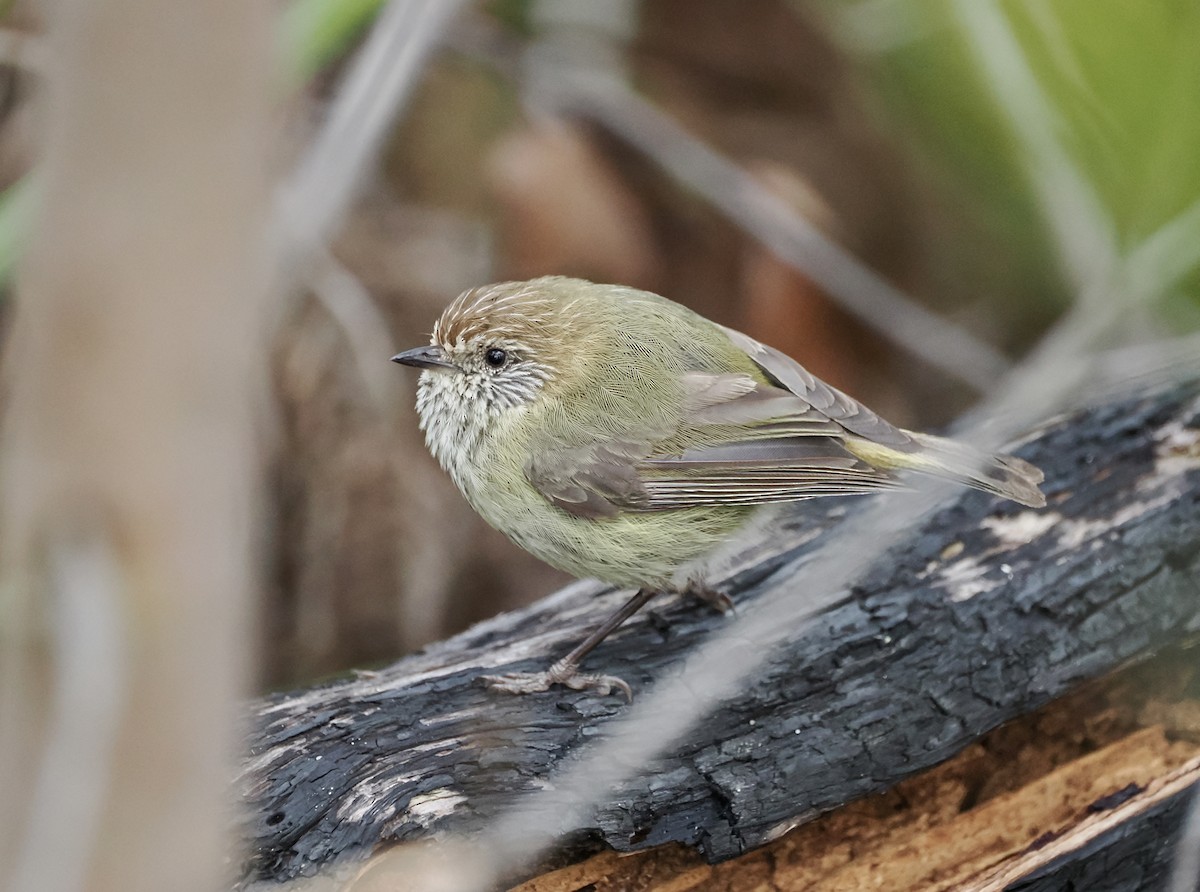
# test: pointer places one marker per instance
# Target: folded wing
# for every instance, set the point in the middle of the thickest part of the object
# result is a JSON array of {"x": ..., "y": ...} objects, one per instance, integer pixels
[{"x": 737, "y": 440}]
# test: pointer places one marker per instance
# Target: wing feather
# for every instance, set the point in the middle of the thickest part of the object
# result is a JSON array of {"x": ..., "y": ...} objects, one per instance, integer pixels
[
  {"x": 599, "y": 479},
  {"x": 686, "y": 483},
  {"x": 737, "y": 440},
  {"x": 830, "y": 402}
]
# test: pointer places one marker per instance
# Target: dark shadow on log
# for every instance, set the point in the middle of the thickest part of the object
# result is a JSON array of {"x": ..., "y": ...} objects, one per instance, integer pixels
[{"x": 987, "y": 612}]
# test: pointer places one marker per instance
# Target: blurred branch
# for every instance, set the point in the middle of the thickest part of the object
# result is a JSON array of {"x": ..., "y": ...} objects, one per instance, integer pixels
[
  {"x": 129, "y": 465},
  {"x": 314, "y": 200},
  {"x": 751, "y": 205},
  {"x": 22, "y": 50},
  {"x": 1163, "y": 259},
  {"x": 312, "y": 203},
  {"x": 1124, "y": 369},
  {"x": 352, "y": 309},
  {"x": 90, "y": 690},
  {"x": 873, "y": 26},
  {"x": 792, "y": 238},
  {"x": 316, "y": 32}
]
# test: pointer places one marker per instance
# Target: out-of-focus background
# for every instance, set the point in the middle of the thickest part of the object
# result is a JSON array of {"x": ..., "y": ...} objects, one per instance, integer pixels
[{"x": 877, "y": 121}]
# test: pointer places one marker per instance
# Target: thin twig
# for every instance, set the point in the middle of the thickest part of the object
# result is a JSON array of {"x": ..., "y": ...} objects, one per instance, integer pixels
[
  {"x": 90, "y": 693},
  {"x": 349, "y": 304},
  {"x": 314, "y": 201},
  {"x": 312, "y": 204},
  {"x": 749, "y": 204},
  {"x": 786, "y": 233}
]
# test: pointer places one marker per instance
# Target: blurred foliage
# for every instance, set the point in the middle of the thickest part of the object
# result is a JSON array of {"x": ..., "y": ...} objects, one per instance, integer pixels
[
  {"x": 516, "y": 15},
  {"x": 317, "y": 32},
  {"x": 313, "y": 34},
  {"x": 16, "y": 206},
  {"x": 930, "y": 88},
  {"x": 1121, "y": 79}
]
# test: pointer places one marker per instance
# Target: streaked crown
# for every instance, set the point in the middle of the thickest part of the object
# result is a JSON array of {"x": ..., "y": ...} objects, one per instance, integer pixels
[{"x": 534, "y": 314}]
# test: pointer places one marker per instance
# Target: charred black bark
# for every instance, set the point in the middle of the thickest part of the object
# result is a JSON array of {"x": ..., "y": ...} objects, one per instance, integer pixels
[{"x": 988, "y": 611}]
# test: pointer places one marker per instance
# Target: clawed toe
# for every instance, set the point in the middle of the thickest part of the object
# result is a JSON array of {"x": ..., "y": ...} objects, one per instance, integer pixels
[
  {"x": 566, "y": 671},
  {"x": 519, "y": 682},
  {"x": 601, "y": 684},
  {"x": 536, "y": 682}
]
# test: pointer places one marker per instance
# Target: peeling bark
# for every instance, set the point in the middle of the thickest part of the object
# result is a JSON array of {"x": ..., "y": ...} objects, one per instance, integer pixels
[{"x": 987, "y": 612}]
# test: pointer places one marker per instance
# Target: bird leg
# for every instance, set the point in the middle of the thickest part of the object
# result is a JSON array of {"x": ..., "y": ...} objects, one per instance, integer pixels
[{"x": 566, "y": 671}]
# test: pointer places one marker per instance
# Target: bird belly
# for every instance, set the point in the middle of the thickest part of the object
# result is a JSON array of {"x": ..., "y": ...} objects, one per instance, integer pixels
[{"x": 632, "y": 549}]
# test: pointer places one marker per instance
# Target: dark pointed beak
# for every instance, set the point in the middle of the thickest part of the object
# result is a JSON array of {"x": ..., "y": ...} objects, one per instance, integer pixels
[{"x": 430, "y": 357}]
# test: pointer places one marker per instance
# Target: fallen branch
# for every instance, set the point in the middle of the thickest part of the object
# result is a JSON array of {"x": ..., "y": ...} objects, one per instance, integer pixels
[{"x": 988, "y": 612}]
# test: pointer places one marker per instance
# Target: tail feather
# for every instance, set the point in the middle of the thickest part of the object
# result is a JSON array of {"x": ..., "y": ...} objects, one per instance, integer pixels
[{"x": 1002, "y": 475}]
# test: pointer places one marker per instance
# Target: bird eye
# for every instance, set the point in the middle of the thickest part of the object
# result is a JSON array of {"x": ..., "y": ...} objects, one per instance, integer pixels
[{"x": 495, "y": 357}]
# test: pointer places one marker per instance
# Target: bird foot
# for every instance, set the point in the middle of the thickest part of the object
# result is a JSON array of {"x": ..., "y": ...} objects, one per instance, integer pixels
[
  {"x": 714, "y": 598},
  {"x": 566, "y": 675}
]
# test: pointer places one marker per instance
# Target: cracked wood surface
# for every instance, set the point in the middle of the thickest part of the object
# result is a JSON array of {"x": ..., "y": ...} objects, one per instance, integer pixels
[
  {"x": 1075, "y": 796},
  {"x": 987, "y": 612}
]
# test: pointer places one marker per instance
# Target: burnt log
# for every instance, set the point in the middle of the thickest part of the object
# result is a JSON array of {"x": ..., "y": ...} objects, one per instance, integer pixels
[{"x": 987, "y": 612}]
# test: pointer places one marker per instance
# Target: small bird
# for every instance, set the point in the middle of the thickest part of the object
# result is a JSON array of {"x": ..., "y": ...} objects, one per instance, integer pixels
[{"x": 614, "y": 433}]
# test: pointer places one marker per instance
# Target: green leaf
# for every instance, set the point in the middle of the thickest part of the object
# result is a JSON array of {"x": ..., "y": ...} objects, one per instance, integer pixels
[
  {"x": 17, "y": 205},
  {"x": 316, "y": 32}
]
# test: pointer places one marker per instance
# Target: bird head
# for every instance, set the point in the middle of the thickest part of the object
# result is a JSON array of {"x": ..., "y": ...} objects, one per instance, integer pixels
[{"x": 495, "y": 349}]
